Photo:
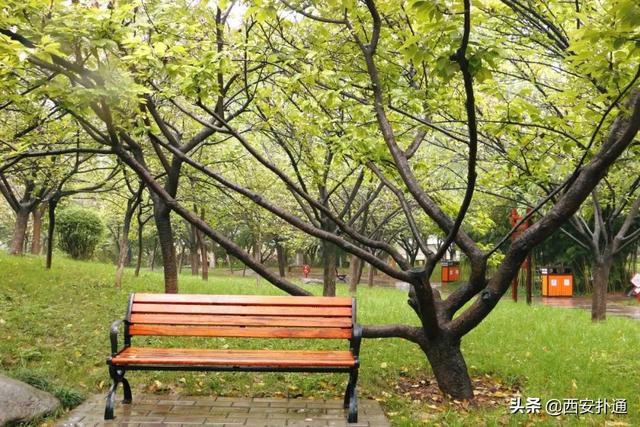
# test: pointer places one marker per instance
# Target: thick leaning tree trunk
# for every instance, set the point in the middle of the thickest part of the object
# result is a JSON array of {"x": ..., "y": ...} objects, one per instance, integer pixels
[
  {"x": 448, "y": 365},
  {"x": 16, "y": 247},
  {"x": 601, "y": 270},
  {"x": 329, "y": 269},
  {"x": 161, "y": 213}
]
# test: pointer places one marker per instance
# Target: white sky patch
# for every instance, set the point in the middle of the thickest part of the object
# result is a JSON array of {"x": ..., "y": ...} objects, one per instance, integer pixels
[{"x": 236, "y": 16}]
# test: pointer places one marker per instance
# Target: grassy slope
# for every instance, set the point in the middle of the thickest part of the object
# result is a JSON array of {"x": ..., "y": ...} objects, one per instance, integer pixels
[{"x": 54, "y": 326}]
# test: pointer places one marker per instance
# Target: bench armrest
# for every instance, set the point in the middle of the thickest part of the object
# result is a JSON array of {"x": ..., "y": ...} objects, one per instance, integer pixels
[
  {"x": 113, "y": 335},
  {"x": 355, "y": 340}
]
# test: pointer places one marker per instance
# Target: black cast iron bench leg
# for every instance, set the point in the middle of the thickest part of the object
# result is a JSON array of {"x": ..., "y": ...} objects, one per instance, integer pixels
[
  {"x": 351, "y": 398},
  {"x": 117, "y": 376},
  {"x": 127, "y": 390}
]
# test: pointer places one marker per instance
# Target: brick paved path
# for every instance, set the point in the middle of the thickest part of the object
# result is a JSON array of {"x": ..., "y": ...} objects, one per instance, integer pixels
[{"x": 147, "y": 411}]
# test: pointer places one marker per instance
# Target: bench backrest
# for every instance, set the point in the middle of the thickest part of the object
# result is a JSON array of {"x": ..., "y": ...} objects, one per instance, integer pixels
[{"x": 240, "y": 316}]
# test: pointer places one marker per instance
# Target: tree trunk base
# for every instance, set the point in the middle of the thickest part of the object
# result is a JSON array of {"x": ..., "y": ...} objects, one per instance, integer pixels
[{"x": 449, "y": 367}]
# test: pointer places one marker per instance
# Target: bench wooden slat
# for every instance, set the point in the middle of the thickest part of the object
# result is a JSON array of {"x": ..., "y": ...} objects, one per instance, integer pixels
[
  {"x": 231, "y": 320},
  {"x": 240, "y": 332},
  {"x": 248, "y": 353},
  {"x": 243, "y": 299},
  {"x": 240, "y": 309},
  {"x": 206, "y": 357}
]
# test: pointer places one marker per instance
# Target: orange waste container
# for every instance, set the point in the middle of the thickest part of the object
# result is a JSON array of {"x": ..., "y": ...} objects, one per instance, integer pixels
[
  {"x": 556, "y": 282},
  {"x": 450, "y": 271}
]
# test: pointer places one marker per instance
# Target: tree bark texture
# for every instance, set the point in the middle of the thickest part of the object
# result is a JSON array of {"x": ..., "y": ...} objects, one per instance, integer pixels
[
  {"x": 449, "y": 367},
  {"x": 193, "y": 250},
  {"x": 355, "y": 270},
  {"x": 204, "y": 259},
  {"x": 181, "y": 259},
  {"x": 162, "y": 215},
  {"x": 139, "y": 257},
  {"x": 601, "y": 271},
  {"x": 16, "y": 247},
  {"x": 329, "y": 269},
  {"x": 152, "y": 263},
  {"x": 371, "y": 275},
  {"x": 230, "y": 264},
  {"x": 36, "y": 241},
  {"x": 53, "y": 203},
  {"x": 282, "y": 261},
  {"x": 124, "y": 242},
  {"x": 204, "y": 251}
]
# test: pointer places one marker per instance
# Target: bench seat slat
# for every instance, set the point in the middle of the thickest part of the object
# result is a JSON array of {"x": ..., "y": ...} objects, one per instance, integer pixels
[
  {"x": 240, "y": 309},
  {"x": 231, "y": 320},
  {"x": 240, "y": 332},
  {"x": 257, "y": 358},
  {"x": 243, "y": 299}
]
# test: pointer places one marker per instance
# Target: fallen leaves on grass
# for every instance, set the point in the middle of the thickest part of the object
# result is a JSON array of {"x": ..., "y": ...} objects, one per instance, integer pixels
[
  {"x": 158, "y": 387},
  {"x": 489, "y": 392}
]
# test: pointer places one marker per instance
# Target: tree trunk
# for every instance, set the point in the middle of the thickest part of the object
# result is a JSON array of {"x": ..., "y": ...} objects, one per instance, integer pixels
[
  {"x": 282, "y": 261},
  {"x": 601, "y": 271},
  {"x": 139, "y": 258},
  {"x": 36, "y": 241},
  {"x": 205, "y": 260},
  {"x": 140, "y": 229},
  {"x": 360, "y": 269},
  {"x": 124, "y": 242},
  {"x": 19, "y": 232},
  {"x": 329, "y": 269},
  {"x": 202, "y": 244},
  {"x": 355, "y": 267},
  {"x": 230, "y": 263},
  {"x": 193, "y": 250},
  {"x": 162, "y": 215},
  {"x": 53, "y": 203},
  {"x": 204, "y": 255},
  {"x": 448, "y": 366},
  {"x": 257, "y": 249},
  {"x": 181, "y": 259},
  {"x": 372, "y": 273},
  {"x": 152, "y": 264}
]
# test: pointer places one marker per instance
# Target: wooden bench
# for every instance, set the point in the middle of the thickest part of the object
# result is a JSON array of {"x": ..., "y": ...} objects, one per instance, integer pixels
[{"x": 240, "y": 317}]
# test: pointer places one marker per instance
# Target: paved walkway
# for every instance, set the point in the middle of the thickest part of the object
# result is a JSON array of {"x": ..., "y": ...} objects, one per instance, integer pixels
[
  {"x": 154, "y": 410},
  {"x": 617, "y": 305}
]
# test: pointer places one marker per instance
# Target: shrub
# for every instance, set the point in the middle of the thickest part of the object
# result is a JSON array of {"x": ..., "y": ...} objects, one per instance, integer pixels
[
  {"x": 79, "y": 231},
  {"x": 68, "y": 397}
]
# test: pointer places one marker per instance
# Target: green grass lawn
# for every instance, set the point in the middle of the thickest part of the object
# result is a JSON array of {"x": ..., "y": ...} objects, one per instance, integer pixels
[{"x": 54, "y": 333}]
